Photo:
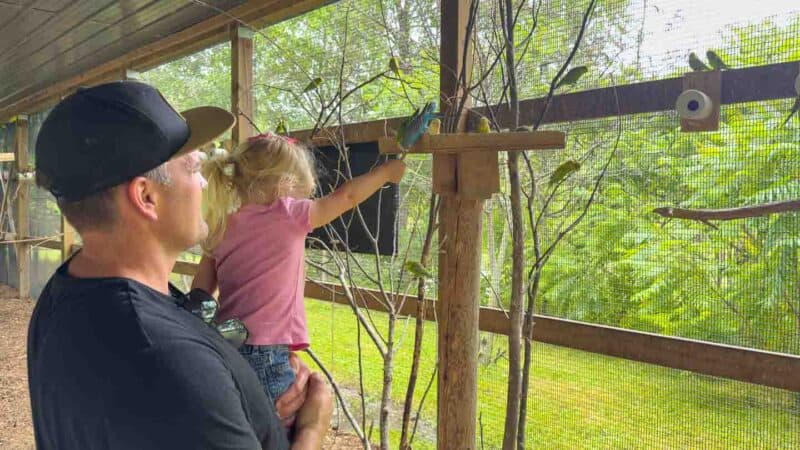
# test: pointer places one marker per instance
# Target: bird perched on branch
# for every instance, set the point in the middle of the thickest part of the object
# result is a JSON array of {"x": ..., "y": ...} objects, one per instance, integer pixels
[{"x": 415, "y": 126}]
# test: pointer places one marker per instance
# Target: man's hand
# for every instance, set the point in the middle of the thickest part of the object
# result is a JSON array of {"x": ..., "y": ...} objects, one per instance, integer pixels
[
  {"x": 309, "y": 403},
  {"x": 290, "y": 401},
  {"x": 314, "y": 418}
]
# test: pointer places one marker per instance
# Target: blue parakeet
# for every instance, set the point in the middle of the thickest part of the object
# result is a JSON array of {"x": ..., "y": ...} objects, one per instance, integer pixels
[{"x": 416, "y": 125}]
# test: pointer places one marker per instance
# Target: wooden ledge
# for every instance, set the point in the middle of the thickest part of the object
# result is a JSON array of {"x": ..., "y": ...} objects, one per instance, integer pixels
[{"x": 479, "y": 142}]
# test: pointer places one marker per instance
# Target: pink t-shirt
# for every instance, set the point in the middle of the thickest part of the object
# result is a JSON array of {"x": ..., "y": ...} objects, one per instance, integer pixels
[{"x": 261, "y": 271}]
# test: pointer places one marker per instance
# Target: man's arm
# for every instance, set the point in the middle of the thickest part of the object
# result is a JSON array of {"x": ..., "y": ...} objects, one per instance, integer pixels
[{"x": 205, "y": 396}]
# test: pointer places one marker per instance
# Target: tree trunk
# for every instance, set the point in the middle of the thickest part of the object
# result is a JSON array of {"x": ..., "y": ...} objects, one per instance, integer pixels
[
  {"x": 513, "y": 413},
  {"x": 420, "y": 327}
]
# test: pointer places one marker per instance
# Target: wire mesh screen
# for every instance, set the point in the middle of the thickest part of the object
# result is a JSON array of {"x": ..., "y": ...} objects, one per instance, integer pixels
[
  {"x": 623, "y": 265},
  {"x": 351, "y": 41},
  {"x": 43, "y": 216}
]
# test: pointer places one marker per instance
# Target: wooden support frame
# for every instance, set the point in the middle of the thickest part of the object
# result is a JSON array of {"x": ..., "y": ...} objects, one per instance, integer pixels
[
  {"x": 23, "y": 206},
  {"x": 68, "y": 235},
  {"x": 241, "y": 82},
  {"x": 777, "y": 370},
  {"x": 464, "y": 181},
  {"x": 775, "y": 81},
  {"x": 212, "y": 31},
  {"x": 479, "y": 142},
  {"x": 709, "y": 83}
]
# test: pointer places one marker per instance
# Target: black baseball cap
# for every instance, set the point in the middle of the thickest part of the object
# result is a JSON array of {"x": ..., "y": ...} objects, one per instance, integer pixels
[{"x": 105, "y": 135}]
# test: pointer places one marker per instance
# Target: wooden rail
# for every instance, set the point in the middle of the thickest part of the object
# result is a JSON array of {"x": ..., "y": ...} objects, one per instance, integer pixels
[
  {"x": 762, "y": 83},
  {"x": 778, "y": 370}
]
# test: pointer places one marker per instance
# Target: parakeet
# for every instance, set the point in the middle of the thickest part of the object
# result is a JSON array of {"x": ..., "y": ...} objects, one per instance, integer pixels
[
  {"x": 795, "y": 108},
  {"x": 715, "y": 61},
  {"x": 394, "y": 66},
  {"x": 483, "y": 125},
  {"x": 572, "y": 76},
  {"x": 696, "y": 64},
  {"x": 415, "y": 126},
  {"x": 435, "y": 126},
  {"x": 416, "y": 269},
  {"x": 564, "y": 170},
  {"x": 281, "y": 128},
  {"x": 313, "y": 84}
]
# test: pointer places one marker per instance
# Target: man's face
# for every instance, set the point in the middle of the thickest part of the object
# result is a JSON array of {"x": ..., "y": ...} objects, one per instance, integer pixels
[{"x": 181, "y": 214}]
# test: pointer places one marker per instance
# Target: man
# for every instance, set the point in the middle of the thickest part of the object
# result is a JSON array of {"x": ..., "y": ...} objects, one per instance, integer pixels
[{"x": 114, "y": 361}]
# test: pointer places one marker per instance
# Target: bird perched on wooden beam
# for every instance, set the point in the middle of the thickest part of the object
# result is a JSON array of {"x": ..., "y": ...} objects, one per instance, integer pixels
[{"x": 415, "y": 126}]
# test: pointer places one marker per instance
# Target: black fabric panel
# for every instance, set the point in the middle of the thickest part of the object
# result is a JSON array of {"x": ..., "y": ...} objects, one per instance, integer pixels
[{"x": 332, "y": 172}]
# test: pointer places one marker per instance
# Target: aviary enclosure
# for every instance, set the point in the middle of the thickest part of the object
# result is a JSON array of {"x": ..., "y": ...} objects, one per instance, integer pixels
[{"x": 598, "y": 250}]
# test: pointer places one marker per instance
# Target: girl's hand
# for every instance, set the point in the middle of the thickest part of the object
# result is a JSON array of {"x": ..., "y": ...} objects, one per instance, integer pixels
[{"x": 395, "y": 169}]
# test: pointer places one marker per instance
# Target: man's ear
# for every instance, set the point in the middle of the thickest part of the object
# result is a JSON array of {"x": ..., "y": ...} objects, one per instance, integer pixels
[{"x": 142, "y": 194}]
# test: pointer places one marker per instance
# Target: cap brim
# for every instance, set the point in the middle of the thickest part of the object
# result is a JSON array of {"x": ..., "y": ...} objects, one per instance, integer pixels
[{"x": 206, "y": 124}]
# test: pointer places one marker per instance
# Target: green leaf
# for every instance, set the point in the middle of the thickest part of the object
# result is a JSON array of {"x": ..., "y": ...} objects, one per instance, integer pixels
[
  {"x": 564, "y": 170},
  {"x": 572, "y": 76}
]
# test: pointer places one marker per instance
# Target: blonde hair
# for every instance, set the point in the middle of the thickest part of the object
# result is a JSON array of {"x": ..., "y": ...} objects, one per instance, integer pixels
[{"x": 261, "y": 170}]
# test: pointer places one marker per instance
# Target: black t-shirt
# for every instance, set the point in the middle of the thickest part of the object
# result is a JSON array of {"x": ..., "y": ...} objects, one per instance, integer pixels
[{"x": 114, "y": 364}]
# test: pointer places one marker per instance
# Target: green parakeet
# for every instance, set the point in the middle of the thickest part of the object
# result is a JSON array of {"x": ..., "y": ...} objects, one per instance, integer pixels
[
  {"x": 715, "y": 61},
  {"x": 313, "y": 84},
  {"x": 564, "y": 170},
  {"x": 416, "y": 269},
  {"x": 572, "y": 76},
  {"x": 394, "y": 66},
  {"x": 696, "y": 64},
  {"x": 281, "y": 128},
  {"x": 435, "y": 126},
  {"x": 483, "y": 125}
]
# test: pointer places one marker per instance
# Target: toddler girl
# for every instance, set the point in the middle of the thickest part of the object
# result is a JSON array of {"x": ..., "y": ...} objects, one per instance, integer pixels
[{"x": 259, "y": 213}]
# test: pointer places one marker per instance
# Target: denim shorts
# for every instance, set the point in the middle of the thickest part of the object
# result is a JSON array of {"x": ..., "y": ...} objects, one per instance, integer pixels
[{"x": 271, "y": 363}]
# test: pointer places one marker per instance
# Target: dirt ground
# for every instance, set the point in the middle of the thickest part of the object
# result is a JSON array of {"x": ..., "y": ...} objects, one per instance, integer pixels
[{"x": 16, "y": 431}]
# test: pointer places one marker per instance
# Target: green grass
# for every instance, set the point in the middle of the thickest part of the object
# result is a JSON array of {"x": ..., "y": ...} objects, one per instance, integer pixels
[{"x": 577, "y": 399}]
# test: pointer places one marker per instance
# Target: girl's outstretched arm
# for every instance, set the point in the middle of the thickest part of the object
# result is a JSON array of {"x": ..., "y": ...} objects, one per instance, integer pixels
[{"x": 353, "y": 192}]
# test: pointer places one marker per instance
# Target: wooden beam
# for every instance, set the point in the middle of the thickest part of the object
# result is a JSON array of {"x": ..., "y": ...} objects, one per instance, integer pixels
[
  {"x": 214, "y": 30},
  {"x": 479, "y": 142},
  {"x": 6, "y": 157},
  {"x": 23, "y": 205},
  {"x": 68, "y": 235},
  {"x": 354, "y": 133},
  {"x": 241, "y": 82},
  {"x": 751, "y": 84}
]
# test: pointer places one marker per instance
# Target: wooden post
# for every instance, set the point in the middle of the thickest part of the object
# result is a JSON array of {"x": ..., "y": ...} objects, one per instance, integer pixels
[
  {"x": 460, "y": 217},
  {"x": 67, "y": 239},
  {"x": 241, "y": 82},
  {"x": 23, "y": 197}
]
